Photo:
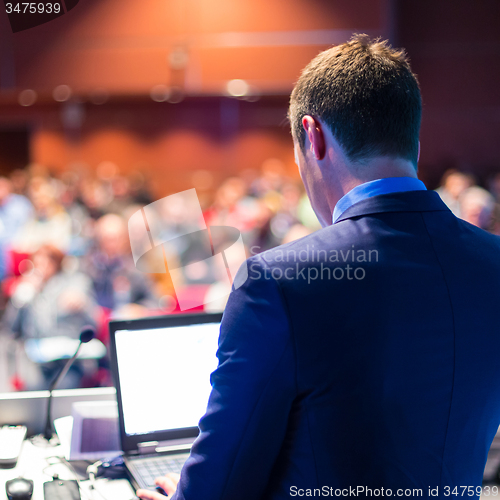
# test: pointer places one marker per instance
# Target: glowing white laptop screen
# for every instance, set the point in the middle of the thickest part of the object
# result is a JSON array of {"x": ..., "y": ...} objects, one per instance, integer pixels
[{"x": 165, "y": 375}]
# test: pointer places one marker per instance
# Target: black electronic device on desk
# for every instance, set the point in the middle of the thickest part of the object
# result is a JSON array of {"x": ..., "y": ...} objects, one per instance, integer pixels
[
  {"x": 60, "y": 489},
  {"x": 19, "y": 489}
]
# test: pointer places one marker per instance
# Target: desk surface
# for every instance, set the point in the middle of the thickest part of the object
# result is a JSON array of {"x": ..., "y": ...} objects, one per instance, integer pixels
[
  {"x": 34, "y": 464},
  {"x": 26, "y": 408}
]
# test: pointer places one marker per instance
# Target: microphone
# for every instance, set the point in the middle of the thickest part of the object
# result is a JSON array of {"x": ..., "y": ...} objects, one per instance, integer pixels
[{"x": 87, "y": 334}]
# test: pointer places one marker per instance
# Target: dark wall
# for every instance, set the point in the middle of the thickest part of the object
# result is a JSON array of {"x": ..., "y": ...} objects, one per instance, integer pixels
[
  {"x": 14, "y": 149},
  {"x": 454, "y": 46}
]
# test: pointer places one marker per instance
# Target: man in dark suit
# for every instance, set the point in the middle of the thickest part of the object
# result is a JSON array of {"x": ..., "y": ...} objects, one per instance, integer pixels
[{"x": 360, "y": 360}]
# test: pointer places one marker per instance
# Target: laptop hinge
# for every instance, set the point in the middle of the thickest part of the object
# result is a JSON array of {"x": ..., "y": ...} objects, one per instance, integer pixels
[
  {"x": 179, "y": 447},
  {"x": 147, "y": 448}
]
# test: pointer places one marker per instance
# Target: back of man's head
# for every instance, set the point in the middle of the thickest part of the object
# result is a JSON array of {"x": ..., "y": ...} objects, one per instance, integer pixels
[{"x": 366, "y": 93}]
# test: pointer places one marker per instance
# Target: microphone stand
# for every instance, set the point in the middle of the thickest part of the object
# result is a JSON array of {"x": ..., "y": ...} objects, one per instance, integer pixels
[
  {"x": 49, "y": 427},
  {"x": 49, "y": 436}
]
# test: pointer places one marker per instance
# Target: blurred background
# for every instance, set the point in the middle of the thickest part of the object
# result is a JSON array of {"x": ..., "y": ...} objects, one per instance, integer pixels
[{"x": 120, "y": 103}]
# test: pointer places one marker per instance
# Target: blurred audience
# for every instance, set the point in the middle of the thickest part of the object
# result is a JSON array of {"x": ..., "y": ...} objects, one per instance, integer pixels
[
  {"x": 50, "y": 223},
  {"x": 15, "y": 211},
  {"x": 476, "y": 207},
  {"x": 470, "y": 202},
  {"x": 116, "y": 281},
  {"x": 453, "y": 184},
  {"x": 49, "y": 304},
  {"x": 65, "y": 255},
  {"x": 48, "y": 300}
]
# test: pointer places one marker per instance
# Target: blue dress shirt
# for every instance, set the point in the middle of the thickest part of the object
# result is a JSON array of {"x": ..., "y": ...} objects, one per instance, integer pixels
[{"x": 374, "y": 188}]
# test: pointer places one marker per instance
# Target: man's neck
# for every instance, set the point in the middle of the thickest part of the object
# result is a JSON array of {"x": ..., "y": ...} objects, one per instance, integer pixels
[
  {"x": 349, "y": 175},
  {"x": 378, "y": 168}
]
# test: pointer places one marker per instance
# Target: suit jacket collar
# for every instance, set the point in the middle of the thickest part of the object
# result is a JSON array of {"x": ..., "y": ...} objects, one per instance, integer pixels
[{"x": 410, "y": 201}]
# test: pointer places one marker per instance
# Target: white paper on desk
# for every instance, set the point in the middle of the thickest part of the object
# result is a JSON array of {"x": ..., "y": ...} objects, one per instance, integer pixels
[
  {"x": 117, "y": 489},
  {"x": 95, "y": 432},
  {"x": 64, "y": 428}
]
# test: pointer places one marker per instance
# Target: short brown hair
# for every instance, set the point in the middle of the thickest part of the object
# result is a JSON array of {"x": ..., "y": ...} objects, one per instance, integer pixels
[
  {"x": 366, "y": 93},
  {"x": 53, "y": 253}
]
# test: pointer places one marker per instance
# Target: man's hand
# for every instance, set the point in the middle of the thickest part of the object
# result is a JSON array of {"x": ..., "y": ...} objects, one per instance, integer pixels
[{"x": 168, "y": 483}]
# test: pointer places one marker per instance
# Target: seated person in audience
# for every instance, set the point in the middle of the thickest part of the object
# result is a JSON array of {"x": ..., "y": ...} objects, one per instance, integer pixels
[
  {"x": 50, "y": 302},
  {"x": 231, "y": 206},
  {"x": 117, "y": 283},
  {"x": 50, "y": 224},
  {"x": 476, "y": 207},
  {"x": 121, "y": 198},
  {"x": 453, "y": 184},
  {"x": 15, "y": 210}
]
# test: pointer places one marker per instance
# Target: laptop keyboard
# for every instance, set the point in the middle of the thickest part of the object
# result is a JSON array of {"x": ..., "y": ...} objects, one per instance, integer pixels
[{"x": 147, "y": 469}]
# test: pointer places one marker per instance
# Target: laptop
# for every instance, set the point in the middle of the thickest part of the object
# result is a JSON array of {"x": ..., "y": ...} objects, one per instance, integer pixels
[{"x": 161, "y": 368}]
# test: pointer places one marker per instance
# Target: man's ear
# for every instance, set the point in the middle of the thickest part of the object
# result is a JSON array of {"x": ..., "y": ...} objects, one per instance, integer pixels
[
  {"x": 315, "y": 135},
  {"x": 418, "y": 154}
]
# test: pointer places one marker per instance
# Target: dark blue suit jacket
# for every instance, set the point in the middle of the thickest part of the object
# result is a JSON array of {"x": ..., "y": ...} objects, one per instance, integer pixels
[{"x": 384, "y": 375}]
